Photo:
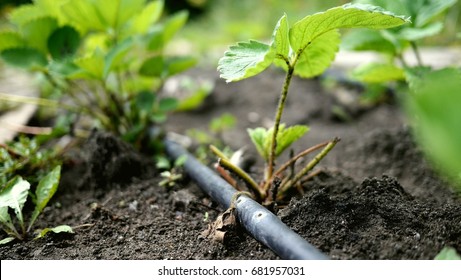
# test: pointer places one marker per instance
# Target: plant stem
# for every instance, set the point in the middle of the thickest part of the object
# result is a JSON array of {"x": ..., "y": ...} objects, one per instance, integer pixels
[
  {"x": 298, "y": 156},
  {"x": 225, "y": 162},
  {"x": 415, "y": 49},
  {"x": 278, "y": 117},
  {"x": 287, "y": 185}
]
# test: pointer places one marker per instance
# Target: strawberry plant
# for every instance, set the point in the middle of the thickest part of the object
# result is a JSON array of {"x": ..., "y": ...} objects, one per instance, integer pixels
[
  {"x": 105, "y": 59},
  {"x": 305, "y": 49},
  {"x": 14, "y": 194},
  {"x": 392, "y": 43}
]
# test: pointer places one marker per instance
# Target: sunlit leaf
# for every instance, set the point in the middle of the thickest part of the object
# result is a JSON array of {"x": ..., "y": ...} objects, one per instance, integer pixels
[
  {"x": 378, "y": 73},
  {"x": 281, "y": 40},
  {"x": 244, "y": 60},
  {"x": 288, "y": 136},
  {"x": 14, "y": 196},
  {"x": 6, "y": 240},
  {"x": 10, "y": 39},
  {"x": 25, "y": 13},
  {"x": 194, "y": 100},
  {"x": 92, "y": 66},
  {"x": 84, "y": 15},
  {"x": 318, "y": 55},
  {"x": 305, "y": 31},
  {"x": 262, "y": 138},
  {"x": 45, "y": 191},
  {"x": 37, "y": 31},
  {"x": 149, "y": 15}
]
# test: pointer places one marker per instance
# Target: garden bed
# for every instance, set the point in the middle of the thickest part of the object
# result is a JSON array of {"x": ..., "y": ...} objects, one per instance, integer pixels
[{"x": 375, "y": 197}]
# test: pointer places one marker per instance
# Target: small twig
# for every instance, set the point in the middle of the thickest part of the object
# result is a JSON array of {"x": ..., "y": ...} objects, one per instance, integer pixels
[
  {"x": 298, "y": 156},
  {"x": 226, "y": 176},
  {"x": 243, "y": 175},
  {"x": 27, "y": 129},
  {"x": 83, "y": 226},
  {"x": 287, "y": 185},
  {"x": 414, "y": 47}
]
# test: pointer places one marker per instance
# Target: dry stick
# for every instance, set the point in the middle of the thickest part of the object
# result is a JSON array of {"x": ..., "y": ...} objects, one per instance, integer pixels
[
  {"x": 243, "y": 175},
  {"x": 287, "y": 185},
  {"x": 226, "y": 176},
  {"x": 298, "y": 156},
  {"x": 227, "y": 164}
]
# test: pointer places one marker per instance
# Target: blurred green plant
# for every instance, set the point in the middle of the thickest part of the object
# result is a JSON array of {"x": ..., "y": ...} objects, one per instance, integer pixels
[
  {"x": 109, "y": 57},
  {"x": 305, "y": 49},
  {"x": 26, "y": 158},
  {"x": 426, "y": 21},
  {"x": 448, "y": 253},
  {"x": 433, "y": 108},
  {"x": 13, "y": 196}
]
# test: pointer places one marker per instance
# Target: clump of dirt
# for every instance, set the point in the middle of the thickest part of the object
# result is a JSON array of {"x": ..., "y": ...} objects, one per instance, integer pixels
[{"x": 376, "y": 220}]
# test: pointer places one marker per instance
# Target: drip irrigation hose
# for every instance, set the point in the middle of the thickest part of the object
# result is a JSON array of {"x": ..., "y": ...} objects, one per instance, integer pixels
[{"x": 263, "y": 225}]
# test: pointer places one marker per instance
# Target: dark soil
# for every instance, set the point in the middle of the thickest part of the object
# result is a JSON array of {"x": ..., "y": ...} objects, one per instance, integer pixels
[{"x": 374, "y": 198}]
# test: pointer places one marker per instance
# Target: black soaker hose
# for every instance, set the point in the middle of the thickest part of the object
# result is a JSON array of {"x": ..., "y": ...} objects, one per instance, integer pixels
[{"x": 260, "y": 222}]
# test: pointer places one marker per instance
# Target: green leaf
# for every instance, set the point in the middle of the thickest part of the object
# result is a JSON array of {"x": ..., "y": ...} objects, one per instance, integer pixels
[
  {"x": 115, "y": 13},
  {"x": 115, "y": 55},
  {"x": 225, "y": 121},
  {"x": 25, "y": 13},
  {"x": 84, "y": 15},
  {"x": 448, "y": 253},
  {"x": 413, "y": 34},
  {"x": 27, "y": 58},
  {"x": 149, "y": 15},
  {"x": 145, "y": 101},
  {"x": 14, "y": 195},
  {"x": 378, "y": 73},
  {"x": 168, "y": 104},
  {"x": 433, "y": 107},
  {"x": 58, "y": 229},
  {"x": 5, "y": 219},
  {"x": 179, "y": 64},
  {"x": 153, "y": 67},
  {"x": 92, "y": 66},
  {"x": 63, "y": 42},
  {"x": 288, "y": 136},
  {"x": 262, "y": 138},
  {"x": 10, "y": 39},
  {"x": 280, "y": 38},
  {"x": 318, "y": 55},
  {"x": 431, "y": 9},
  {"x": 258, "y": 136},
  {"x": 305, "y": 31},
  {"x": 164, "y": 33},
  {"x": 194, "y": 100},
  {"x": 36, "y": 32},
  {"x": 244, "y": 60},
  {"x": 367, "y": 40},
  {"x": 45, "y": 191},
  {"x": 6, "y": 240}
]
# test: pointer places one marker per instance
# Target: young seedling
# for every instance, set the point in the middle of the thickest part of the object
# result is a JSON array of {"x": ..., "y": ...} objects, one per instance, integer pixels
[
  {"x": 305, "y": 49},
  {"x": 13, "y": 196}
]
